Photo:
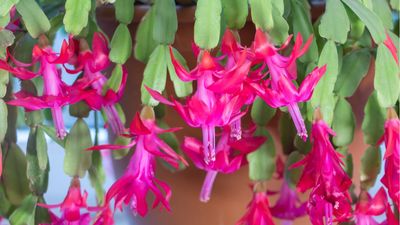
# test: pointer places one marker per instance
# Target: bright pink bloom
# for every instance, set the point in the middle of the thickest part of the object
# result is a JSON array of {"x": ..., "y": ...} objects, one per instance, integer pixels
[
  {"x": 56, "y": 93},
  {"x": 207, "y": 109},
  {"x": 288, "y": 207},
  {"x": 139, "y": 177},
  {"x": 258, "y": 212},
  {"x": 391, "y": 179},
  {"x": 368, "y": 207},
  {"x": 279, "y": 90},
  {"x": 323, "y": 173},
  {"x": 227, "y": 160},
  {"x": 106, "y": 217},
  {"x": 92, "y": 62},
  {"x": 71, "y": 207}
]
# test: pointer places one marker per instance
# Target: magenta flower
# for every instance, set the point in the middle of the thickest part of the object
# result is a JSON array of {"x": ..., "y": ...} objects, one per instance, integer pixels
[
  {"x": 56, "y": 93},
  {"x": 288, "y": 207},
  {"x": 92, "y": 63},
  {"x": 139, "y": 178},
  {"x": 258, "y": 211},
  {"x": 391, "y": 179},
  {"x": 207, "y": 109},
  {"x": 323, "y": 173},
  {"x": 71, "y": 207},
  {"x": 106, "y": 217},
  {"x": 368, "y": 207},
  {"x": 226, "y": 160},
  {"x": 279, "y": 90}
]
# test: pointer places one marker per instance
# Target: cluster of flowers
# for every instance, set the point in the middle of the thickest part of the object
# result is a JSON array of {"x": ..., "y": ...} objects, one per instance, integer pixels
[{"x": 226, "y": 87}]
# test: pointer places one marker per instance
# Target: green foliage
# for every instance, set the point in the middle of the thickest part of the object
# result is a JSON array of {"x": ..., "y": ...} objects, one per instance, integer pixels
[
  {"x": 76, "y": 15},
  {"x": 36, "y": 22},
  {"x": 3, "y": 119},
  {"x": 182, "y": 89},
  {"x": 387, "y": 80},
  {"x": 165, "y": 21},
  {"x": 370, "y": 167},
  {"x": 124, "y": 10},
  {"x": 155, "y": 74},
  {"x": 77, "y": 159},
  {"x": 25, "y": 214},
  {"x": 145, "y": 44},
  {"x": 323, "y": 96},
  {"x": 121, "y": 45},
  {"x": 335, "y": 23},
  {"x": 343, "y": 123},
  {"x": 261, "y": 14},
  {"x": 373, "y": 122},
  {"x": 355, "y": 66},
  {"x": 6, "y": 5},
  {"x": 261, "y": 113},
  {"x": 207, "y": 24},
  {"x": 292, "y": 176},
  {"x": 262, "y": 161},
  {"x": 235, "y": 13}
]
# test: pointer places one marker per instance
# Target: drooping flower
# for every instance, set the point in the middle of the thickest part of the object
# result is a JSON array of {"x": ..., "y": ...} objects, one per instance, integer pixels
[
  {"x": 71, "y": 207},
  {"x": 279, "y": 90},
  {"x": 207, "y": 109},
  {"x": 391, "y": 137},
  {"x": 92, "y": 62},
  {"x": 323, "y": 173},
  {"x": 368, "y": 207},
  {"x": 106, "y": 217},
  {"x": 139, "y": 178},
  {"x": 288, "y": 207},
  {"x": 227, "y": 160},
  {"x": 56, "y": 93},
  {"x": 258, "y": 212}
]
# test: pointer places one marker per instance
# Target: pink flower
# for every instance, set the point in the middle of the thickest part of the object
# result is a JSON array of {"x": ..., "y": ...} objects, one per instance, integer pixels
[
  {"x": 56, "y": 93},
  {"x": 71, "y": 207},
  {"x": 368, "y": 207},
  {"x": 288, "y": 207},
  {"x": 92, "y": 63},
  {"x": 391, "y": 178},
  {"x": 258, "y": 212},
  {"x": 106, "y": 217},
  {"x": 279, "y": 90},
  {"x": 139, "y": 178},
  {"x": 207, "y": 109},
  {"x": 227, "y": 160},
  {"x": 323, "y": 173}
]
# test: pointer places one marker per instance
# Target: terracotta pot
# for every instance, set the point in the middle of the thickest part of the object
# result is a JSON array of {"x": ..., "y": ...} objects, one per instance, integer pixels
[{"x": 231, "y": 192}]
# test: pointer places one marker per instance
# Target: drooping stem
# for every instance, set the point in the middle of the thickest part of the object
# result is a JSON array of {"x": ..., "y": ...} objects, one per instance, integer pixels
[
  {"x": 207, "y": 185},
  {"x": 298, "y": 120},
  {"x": 209, "y": 143}
]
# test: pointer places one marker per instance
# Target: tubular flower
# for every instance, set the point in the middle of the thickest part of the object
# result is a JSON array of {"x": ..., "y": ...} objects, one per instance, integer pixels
[
  {"x": 227, "y": 160},
  {"x": 279, "y": 90},
  {"x": 92, "y": 62},
  {"x": 71, "y": 207},
  {"x": 258, "y": 212},
  {"x": 207, "y": 109},
  {"x": 139, "y": 177},
  {"x": 288, "y": 207},
  {"x": 323, "y": 173},
  {"x": 391, "y": 178},
  {"x": 56, "y": 93},
  {"x": 368, "y": 207}
]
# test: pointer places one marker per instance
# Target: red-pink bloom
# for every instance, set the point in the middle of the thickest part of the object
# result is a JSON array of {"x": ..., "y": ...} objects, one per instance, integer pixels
[
  {"x": 207, "y": 109},
  {"x": 92, "y": 62},
  {"x": 71, "y": 207},
  {"x": 227, "y": 160},
  {"x": 56, "y": 93},
  {"x": 279, "y": 90},
  {"x": 258, "y": 212},
  {"x": 106, "y": 217},
  {"x": 391, "y": 179},
  {"x": 288, "y": 207},
  {"x": 323, "y": 173},
  {"x": 368, "y": 207},
  {"x": 139, "y": 178}
]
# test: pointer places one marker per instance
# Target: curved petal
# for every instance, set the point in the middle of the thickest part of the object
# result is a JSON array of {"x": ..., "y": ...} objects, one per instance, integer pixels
[{"x": 137, "y": 127}]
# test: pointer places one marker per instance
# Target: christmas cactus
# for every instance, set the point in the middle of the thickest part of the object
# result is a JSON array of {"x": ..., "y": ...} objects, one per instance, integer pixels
[{"x": 282, "y": 106}]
